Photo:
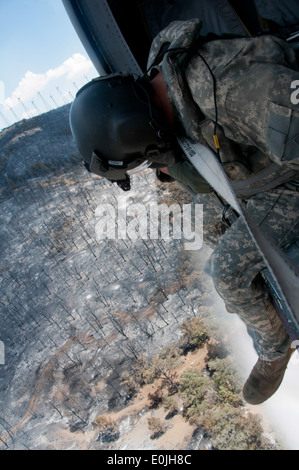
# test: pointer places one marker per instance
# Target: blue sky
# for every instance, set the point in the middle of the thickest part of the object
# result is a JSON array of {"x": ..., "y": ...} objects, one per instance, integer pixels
[{"x": 42, "y": 61}]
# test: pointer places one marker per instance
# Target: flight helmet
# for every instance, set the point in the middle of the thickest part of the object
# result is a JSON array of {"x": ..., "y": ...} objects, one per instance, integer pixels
[{"x": 116, "y": 129}]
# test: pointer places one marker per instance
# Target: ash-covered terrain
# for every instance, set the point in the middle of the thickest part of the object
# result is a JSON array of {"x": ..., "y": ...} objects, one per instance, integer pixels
[{"x": 76, "y": 311}]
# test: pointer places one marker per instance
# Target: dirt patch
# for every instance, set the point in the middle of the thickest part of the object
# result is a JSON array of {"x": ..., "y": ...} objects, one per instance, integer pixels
[{"x": 132, "y": 420}]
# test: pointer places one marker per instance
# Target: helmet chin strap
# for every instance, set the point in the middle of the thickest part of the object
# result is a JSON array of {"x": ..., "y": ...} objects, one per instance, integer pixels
[
  {"x": 146, "y": 164},
  {"x": 161, "y": 131},
  {"x": 125, "y": 184}
]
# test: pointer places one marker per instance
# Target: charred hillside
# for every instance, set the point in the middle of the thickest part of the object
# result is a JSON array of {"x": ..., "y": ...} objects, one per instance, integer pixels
[
  {"x": 78, "y": 311},
  {"x": 36, "y": 146}
]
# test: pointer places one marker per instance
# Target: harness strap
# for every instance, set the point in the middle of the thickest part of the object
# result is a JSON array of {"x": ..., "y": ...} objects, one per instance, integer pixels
[{"x": 270, "y": 177}]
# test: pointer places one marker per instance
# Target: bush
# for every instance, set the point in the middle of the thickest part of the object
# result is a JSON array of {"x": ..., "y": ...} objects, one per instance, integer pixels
[
  {"x": 193, "y": 388},
  {"x": 130, "y": 383},
  {"x": 108, "y": 429},
  {"x": 171, "y": 405},
  {"x": 155, "y": 399},
  {"x": 195, "y": 334},
  {"x": 226, "y": 381},
  {"x": 230, "y": 429},
  {"x": 156, "y": 426}
]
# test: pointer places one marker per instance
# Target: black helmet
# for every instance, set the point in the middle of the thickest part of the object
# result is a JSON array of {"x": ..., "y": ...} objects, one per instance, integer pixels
[{"x": 115, "y": 128}]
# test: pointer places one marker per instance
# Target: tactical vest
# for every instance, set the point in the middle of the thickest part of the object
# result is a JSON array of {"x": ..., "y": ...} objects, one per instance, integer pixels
[{"x": 256, "y": 159}]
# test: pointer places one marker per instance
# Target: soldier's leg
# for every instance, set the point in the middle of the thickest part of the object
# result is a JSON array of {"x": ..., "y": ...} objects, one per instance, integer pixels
[
  {"x": 212, "y": 228},
  {"x": 236, "y": 262}
]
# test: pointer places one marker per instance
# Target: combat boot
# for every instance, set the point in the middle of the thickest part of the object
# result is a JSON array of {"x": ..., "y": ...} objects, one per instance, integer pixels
[{"x": 265, "y": 378}]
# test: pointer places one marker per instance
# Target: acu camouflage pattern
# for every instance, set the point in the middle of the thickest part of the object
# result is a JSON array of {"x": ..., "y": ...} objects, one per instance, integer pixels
[
  {"x": 250, "y": 73},
  {"x": 235, "y": 262},
  {"x": 253, "y": 88}
]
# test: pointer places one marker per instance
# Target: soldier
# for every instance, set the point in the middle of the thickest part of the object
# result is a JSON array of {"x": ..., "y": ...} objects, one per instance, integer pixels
[
  {"x": 232, "y": 91},
  {"x": 242, "y": 85}
]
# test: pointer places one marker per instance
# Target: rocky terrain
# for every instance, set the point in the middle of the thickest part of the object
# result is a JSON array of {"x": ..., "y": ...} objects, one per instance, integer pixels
[{"x": 77, "y": 311}]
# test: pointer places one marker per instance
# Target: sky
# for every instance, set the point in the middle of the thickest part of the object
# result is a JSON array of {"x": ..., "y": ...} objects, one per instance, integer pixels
[{"x": 42, "y": 61}]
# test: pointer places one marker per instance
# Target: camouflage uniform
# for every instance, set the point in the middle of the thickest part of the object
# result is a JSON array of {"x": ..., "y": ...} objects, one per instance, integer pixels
[{"x": 259, "y": 132}]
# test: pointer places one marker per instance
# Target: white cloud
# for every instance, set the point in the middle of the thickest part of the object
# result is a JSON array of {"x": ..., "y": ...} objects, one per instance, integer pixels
[
  {"x": 32, "y": 83},
  {"x": 72, "y": 68}
]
